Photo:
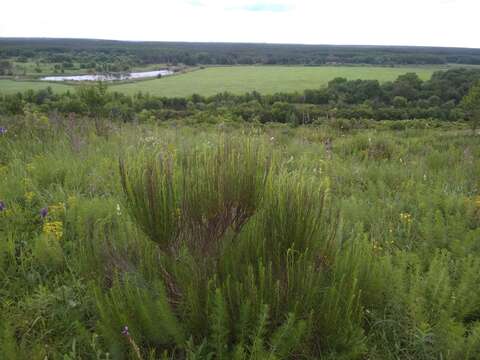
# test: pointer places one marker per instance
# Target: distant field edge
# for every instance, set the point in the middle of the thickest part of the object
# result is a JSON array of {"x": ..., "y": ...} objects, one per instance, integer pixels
[{"x": 238, "y": 79}]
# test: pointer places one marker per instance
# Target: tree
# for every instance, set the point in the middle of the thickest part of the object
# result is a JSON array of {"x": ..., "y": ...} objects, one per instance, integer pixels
[
  {"x": 471, "y": 105},
  {"x": 95, "y": 98},
  {"x": 399, "y": 102},
  {"x": 407, "y": 86},
  {"x": 5, "y": 67}
]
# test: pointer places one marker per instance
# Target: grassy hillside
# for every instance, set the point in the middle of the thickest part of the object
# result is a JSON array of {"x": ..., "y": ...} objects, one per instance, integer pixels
[
  {"x": 137, "y": 241},
  {"x": 240, "y": 79}
]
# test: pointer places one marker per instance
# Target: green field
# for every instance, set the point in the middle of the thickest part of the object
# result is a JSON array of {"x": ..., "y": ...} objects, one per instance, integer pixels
[
  {"x": 12, "y": 86},
  {"x": 240, "y": 79},
  {"x": 264, "y": 79}
]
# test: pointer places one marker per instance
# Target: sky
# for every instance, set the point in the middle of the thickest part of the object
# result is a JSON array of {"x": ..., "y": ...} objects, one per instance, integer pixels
[{"x": 345, "y": 22}]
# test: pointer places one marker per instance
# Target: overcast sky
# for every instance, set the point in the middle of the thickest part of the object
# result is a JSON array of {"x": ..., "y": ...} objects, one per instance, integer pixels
[{"x": 377, "y": 22}]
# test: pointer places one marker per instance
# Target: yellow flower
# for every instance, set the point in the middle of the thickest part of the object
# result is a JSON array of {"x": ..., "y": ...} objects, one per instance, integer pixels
[
  {"x": 54, "y": 228},
  {"x": 56, "y": 209},
  {"x": 72, "y": 200},
  {"x": 29, "y": 196},
  {"x": 377, "y": 246},
  {"x": 27, "y": 181},
  {"x": 477, "y": 201},
  {"x": 406, "y": 217},
  {"x": 6, "y": 213}
]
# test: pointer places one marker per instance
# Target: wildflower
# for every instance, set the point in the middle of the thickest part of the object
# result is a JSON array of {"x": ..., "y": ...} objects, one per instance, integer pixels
[
  {"x": 6, "y": 213},
  {"x": 54, "y": 228},
  {"x": 44, "y": 212},
  {"x": 72, "y": 200},
  {"x": 3, "y": 131},
  {"x": 406, "y": 217},
  {"x": 119, "y": 211},
  {"x": 27, "y": 182},
  {"x": 135, "y": 347},
  {"x": 55, "y": 209},
  {"x": 2, "y": 206},
  {"x": 29, "y": 196},
  {"x": 178, "y": 212},
  {"x": 377, "y": 246}
]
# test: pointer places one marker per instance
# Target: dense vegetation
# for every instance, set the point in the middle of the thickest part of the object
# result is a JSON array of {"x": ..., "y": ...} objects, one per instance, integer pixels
[
  {"x": 114, "y": 56},
  {"x": 408, "y": 97},
  {"x": 237, "y": 241},
  {"x": 296, "y": 225}
]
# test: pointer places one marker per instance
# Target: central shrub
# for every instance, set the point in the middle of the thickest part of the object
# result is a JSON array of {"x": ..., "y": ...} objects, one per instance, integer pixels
[{"x": 245, "y": 259}]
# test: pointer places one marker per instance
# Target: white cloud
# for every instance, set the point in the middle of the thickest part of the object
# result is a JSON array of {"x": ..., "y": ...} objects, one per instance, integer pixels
[{"x": 407, "y": 22}]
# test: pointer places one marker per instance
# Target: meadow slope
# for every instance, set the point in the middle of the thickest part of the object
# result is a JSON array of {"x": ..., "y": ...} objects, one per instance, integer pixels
[{"x": 229, "y": 241}]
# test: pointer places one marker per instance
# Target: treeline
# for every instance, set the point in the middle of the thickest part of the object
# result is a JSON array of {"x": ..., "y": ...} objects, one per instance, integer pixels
[
  {"x": 408, "y": 97},
  {"x": 91, "y": 53}
]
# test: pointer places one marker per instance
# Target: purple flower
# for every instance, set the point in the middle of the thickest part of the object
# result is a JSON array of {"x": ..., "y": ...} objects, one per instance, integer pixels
[
  {"x": 125, "y": 331},
  {"x": 3, "y": 130},
  {"x": 44, "y": 213},
  {"x": 2, "y": 206}
]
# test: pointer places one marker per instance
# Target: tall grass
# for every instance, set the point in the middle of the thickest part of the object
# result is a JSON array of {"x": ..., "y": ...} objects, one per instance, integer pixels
[{"x": 164, "y": 242}]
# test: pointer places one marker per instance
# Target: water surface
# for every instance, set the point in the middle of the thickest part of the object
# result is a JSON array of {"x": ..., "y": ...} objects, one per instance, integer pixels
[{"x": 110, "y": 77}]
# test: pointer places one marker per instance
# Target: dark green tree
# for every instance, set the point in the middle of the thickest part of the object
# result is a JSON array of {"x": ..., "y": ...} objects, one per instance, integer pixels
[{"x": 471, "y": 105}]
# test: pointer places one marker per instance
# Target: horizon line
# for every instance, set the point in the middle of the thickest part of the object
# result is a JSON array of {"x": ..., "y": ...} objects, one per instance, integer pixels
[{"x": 236, "y": 42}]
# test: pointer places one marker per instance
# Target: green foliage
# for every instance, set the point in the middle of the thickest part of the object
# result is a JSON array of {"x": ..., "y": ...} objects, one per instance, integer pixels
[
  {"x": 221, "y": 241},
  {"x": 471, "y": 104},
  {"x": 202, "y": 194}
]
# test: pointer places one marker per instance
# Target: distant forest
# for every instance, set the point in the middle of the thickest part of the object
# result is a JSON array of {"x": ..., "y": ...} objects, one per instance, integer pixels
[{"x": 87, "y": 53}]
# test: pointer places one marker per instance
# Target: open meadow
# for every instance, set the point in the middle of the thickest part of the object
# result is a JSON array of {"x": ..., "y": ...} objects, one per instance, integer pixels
[
  {"x": 238, "y": 241},
  {"x": 8, "y": 86},
  {"x": 263, "y": 79},
  {"x": 240, "y": 79}
]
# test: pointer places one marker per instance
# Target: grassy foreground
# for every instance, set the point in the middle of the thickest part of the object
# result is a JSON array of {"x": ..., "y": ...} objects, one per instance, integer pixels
[
  {"x": 235, "y": 242},
  {"x": 241, "y": 79}
]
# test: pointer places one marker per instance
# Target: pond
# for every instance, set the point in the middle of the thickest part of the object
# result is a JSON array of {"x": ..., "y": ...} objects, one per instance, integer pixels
[{"x": 110, "y": 77}]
